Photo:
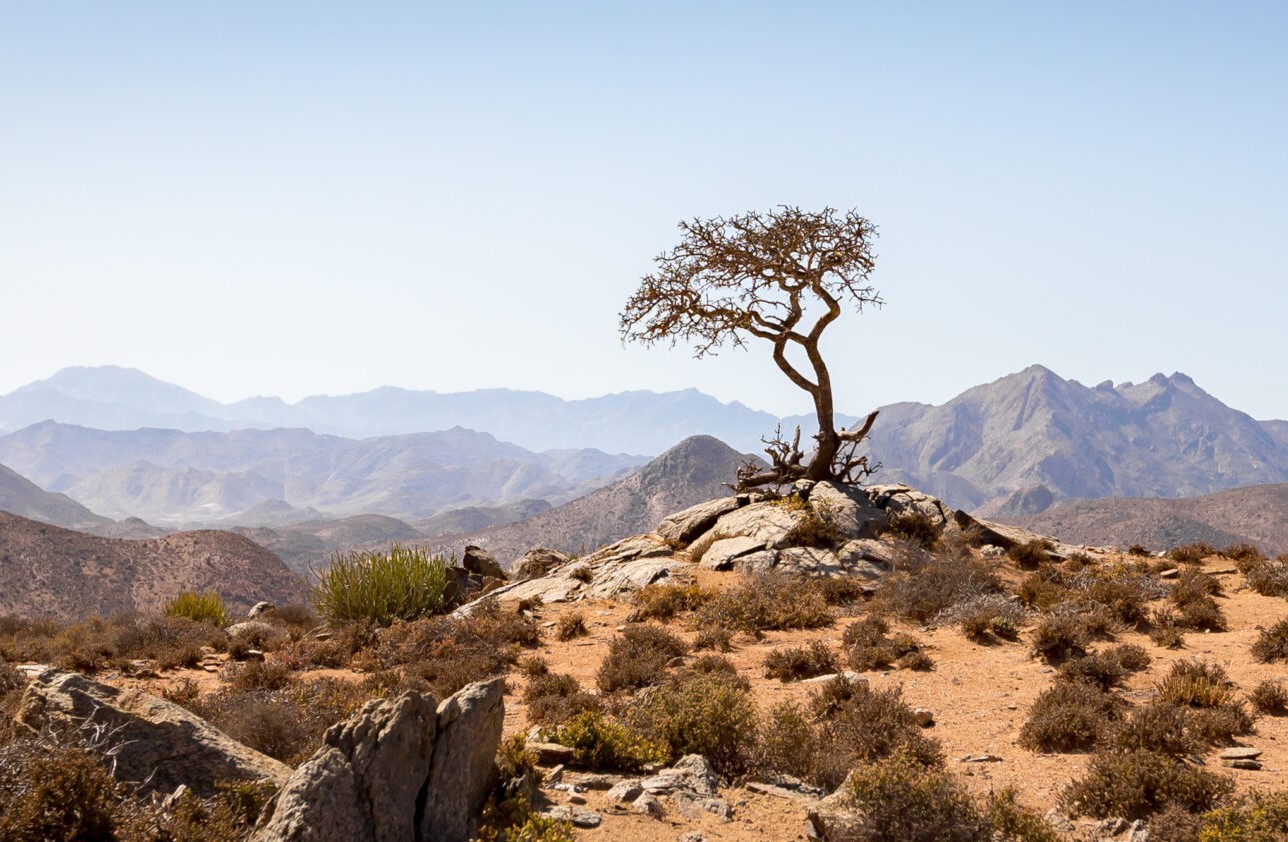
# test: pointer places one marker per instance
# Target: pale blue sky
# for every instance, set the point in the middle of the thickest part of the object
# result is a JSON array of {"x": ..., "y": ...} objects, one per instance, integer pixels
[{"x": 298, "y": 198}]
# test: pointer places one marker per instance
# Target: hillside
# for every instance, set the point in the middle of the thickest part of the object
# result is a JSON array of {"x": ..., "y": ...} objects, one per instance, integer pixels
[
  {"x": 173, "y": 478},
  {"x": 53, "y": 572},
  {"x": 693, "y": 471},
  {"x": 1257, "y": 515},
  {"x": 21, "y": 496}
]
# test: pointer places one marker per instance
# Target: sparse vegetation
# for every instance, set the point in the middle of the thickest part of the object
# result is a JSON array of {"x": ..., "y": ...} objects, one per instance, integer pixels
[
  {"x": 1269, "y": 697},
  {"x": 1191, "y": 553},
  {"x": 702, "y": 712},
  {"x": 1031, "y": 554},
  {"x": 1272, "y": 643},
  {"x": 925, "y": 585},
  {"x": 570, "y": 625},
  {"x": 765, "y": 602},
  {"x": 381, "y": 587},
  {"x": 554, "y": 699},
  {"x": 599, "y": 742},
  {"x": 914, "y": 527},
  {"x": 638, "y": 657},
  {"x": 796, "y": 662},
  {"x": 1137, "y": 783},
  {"x": 1059, "y": 637},
  {"x": 665, "y": 601},
  {"x": 1069, "y": 716}
]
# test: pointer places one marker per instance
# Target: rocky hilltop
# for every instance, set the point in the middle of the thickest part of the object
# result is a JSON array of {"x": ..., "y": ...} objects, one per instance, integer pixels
[{"x": 48, "y": 571}]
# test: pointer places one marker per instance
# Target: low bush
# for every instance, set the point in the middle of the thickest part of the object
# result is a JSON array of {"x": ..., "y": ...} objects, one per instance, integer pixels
[
  {"x": 711, "y": 713},
  {"x": 1259, "y": 817},
  {"x": 1105, "y": 669},
  {"x": 715, "y": 638},
  {"x": 570, "y": 625},
  {"x": 1272, "y": 643},
  {"x": 854, "y": 724},
  {"x": 1031, "y": 554},
  {"x": 1268, "y": 578},
  {"x": 924, "y": 585},
  {"x": 816, "y": 527},
  {"x": 987, "y": 619},
  {"x": 787, "y": 743},
  {"x": 201, "y": 608},
  {"x": 1269, "y": 697},
  {"x": 867, "y": 647},
  {"x": 665, "y": 601},
  {"x": 1069, "y": 716},
  {"x": 602, "y": 743},
  {"x": 1158, "y": 727},
  {"x": 638, "y": 657},
  {"x": 1192, "y": 594},
  {"x": 914, "y": 527},
  {"x": 796, "y": 662},
  {"x": 381, "y": 587},
  {"x": 554, "y": 699},
  {"x": 1044, "y": 589},
  {"x": 1059, "y": 637},
  {"x": 1191, "y": 553},
  {"x": 843, "y": 590},
  {"x": 1137, "y": 784},
  {"x": 1242, "y": 553},
  {"x": 56, "y": 792},
  {"x": 768, "y": 602},
  {"x": 1165, "y": 630},
  {"x": 899, "y": 798}
]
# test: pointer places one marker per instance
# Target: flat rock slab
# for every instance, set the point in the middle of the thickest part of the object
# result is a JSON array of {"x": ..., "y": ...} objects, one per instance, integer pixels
[
  {"x": 850, "y": 510},
  {"x": 721, "y": 554},
  {"x": 154, "y": 743},
  {"x": 1240, "y": 753},
  {"x": 683, "y": 527}
]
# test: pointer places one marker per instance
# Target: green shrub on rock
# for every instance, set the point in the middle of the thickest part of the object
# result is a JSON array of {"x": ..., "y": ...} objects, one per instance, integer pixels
[{"x": 402, "y": 584}]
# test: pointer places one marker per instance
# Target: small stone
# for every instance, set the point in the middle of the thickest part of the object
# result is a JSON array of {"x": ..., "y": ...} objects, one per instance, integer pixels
[
  {"x": 577, "y": 816},
  {"x": 576, "y": 799},
  {"x": 1242, "y": 763},
  {"x": 555, "y": 775},
  {"x": 981, "y": 758},
  {"x": 550, "y": 754},
  {"x": 649, "y": 805},
  {"x": 1059, "y": 822},
  {"x": 1170, "y": 573},
  {"x": 923, "y": 717},
  {"x": 1240, "y": 753},
  {"x": 626, "y": 792},
  {"x": 1111, "y": 826},
  {"x": 597, "y": 781}
]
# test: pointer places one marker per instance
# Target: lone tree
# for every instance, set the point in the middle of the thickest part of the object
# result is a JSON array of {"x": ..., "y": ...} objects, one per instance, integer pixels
[{"x": 783, "y": 277}]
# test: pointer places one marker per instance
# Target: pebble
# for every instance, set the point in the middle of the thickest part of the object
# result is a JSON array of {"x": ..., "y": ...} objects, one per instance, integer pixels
[
  {"x": 981, "y": 758},
  {"x": 1240, "y": 753},
  {"x": 1242, "y": 763}
]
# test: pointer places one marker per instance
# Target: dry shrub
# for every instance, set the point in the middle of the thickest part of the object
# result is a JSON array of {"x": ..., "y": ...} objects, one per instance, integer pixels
[
  {"x": 787, "y": 743},
  {"x": 1242, "y": 553},
  {"x": 259, "y": 675},
  {"x": 798, "y": 662},
  {"x": 1069, "y": 716},
  {"x": 1268, "y": 578},
  {"x": 987, "y": 619},
  {"x": 1031, "y": 554},
  {"x": 1105, "y": 669},
  {"x": 570, "y": 625},
  {"x": 1120, "y": 591},
  {"x": 899, "y": 798},
  {"x": 843, "y": 590},
  {"x": 335, "y": 649},
  {"x": 202, "y": 608},
  {"x": 286, "y": 723},
  {"x": 1158, "y": 727},
  {"x": 665, "y": 601},
  {"x": 1269, "y": 697},
  {"x": 638, "y": 657},
  {"x": 293, "y": 615},
  {"x": 854, "y": 724},
  {"x": 1139, "y": 550},
  {"x": 446, "y": 654},
  {"x": 1258, "y": 817},
  {"x": 1059, "y": 637},
  {"x": 1191, "y": 553},
  {"x": 915, "y": 527},
  {"x": 554, "y": 699},
  {"x": 1166, "y": 631},
  {"x": 709, "y": 713},
  {"x": 768, "y": 602},
  {"x": 1272, "y": 643},
  {"x": 1193, "y": 594},
  {"x": 96, "y": 644},
  {"x": 817, "y": 527},
  {"x": 1044, "y": 589},
  {"x": 56, "y": 792},
  {"x": 1136, "y": 784},
  {"x": 715, "y": 638},
  {"x": 924, "y": 585}
]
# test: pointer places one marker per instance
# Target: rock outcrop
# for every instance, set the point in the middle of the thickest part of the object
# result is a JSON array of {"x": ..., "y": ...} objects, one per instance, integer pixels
[
  {"x": 400, "y": 770},
  {"x": 153, "y": 743}
]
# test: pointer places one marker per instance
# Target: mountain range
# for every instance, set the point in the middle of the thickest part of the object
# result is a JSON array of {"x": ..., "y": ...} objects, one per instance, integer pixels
[
  {"x": 271, "y": 477},
  {"x": 1023, "y": 443}
]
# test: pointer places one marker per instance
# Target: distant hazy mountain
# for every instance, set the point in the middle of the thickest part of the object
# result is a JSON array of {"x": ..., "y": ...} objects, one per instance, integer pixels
[
  {"x": 113, "y": 398},
  {"x": 1256, "y": 515},
  {"x": 21, "y": 496},
  {"x": 172, "y": 478},
  {"x": 1165, "y": 437},
  {"x": 693, "y": 471},
  {"x": 53, "y": 572},
  {"x": 1162, "y": 438}
]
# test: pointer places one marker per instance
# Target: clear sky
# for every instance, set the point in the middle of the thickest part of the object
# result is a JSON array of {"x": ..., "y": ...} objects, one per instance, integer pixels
[{"x": 296, "y": 198}]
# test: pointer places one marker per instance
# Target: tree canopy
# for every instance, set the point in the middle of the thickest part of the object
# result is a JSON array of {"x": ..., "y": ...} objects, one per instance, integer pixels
[{"x": 783, "y": 277}]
